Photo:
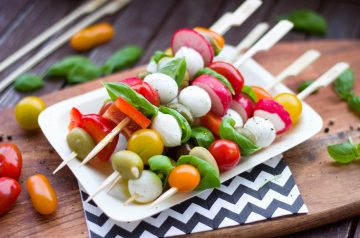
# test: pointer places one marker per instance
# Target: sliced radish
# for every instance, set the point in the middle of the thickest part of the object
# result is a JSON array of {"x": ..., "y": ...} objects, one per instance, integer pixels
[
  {"x": 189, "y": 38},
  {"x": 243, "y": 105},
  {"x": 218, "y": 92},
  {"x": 230, "y": 73},
  {"x": 262, "y": 129},
  {"x": 274, "y": 112}
]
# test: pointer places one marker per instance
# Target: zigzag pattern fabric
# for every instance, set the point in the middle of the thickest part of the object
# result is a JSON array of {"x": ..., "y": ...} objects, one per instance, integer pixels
[{"x": 264, "y": 192}]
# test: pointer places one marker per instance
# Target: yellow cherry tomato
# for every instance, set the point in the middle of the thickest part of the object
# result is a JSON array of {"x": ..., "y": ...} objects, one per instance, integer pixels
[
  {"x": 42, "y": 194},
  {"x": 214, "y": 35},
  {"x": 291, "y": 104},
  {"x": 146, "y": 143},
  {"x": 92, "y": 36},
  {"x": 184, "y": 177},
  {"x": 27, "y": 112}
]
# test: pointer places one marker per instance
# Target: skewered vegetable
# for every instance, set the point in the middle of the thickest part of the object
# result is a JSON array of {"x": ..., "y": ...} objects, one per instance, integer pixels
[
  {"x": 291, "y": 104},
  {"x": 146, "y": 188},
  {"x": 128, "y": 164},
  {"x": 185, "y": 178},
  {"x": 80, "y": 142},
  {"x": 205, "y": 155},
  {"x": 226, "y": 154}
]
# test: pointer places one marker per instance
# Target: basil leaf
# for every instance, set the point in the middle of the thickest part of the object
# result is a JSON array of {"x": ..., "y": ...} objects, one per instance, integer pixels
[
  {"x": 116, "y": 90},
  {"x": 227, "y": 131},
  {"x": 344, "y": 84},
  {"x": 158, "y": 55},
  {"x": 342, "y": 153},
  {"x": 249, "y": 92},
  {"x": 162, "y": 166},
  {"x": 83, "y": 73},
  {"x": 354, "y": 103},
  {"x": 203, "y": 136},
  {"x": 221, "y": 78},
  {"x": 124, "y": 57},
  {"x": 63, "y": 67},
  {"x": 215, "y": 46},
  {"x": 209, "y": 176},
  {"x": 306, "y": 21},
  {"x": 28, "y": 82},
  {"x": 303, "y": 85},
  {"x": 176, "y": 69},
  {"x": 183, "y": 123}
]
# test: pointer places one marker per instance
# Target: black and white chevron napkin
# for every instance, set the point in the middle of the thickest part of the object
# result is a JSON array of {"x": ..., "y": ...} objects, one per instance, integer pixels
[{"x": 264, "y": 192}]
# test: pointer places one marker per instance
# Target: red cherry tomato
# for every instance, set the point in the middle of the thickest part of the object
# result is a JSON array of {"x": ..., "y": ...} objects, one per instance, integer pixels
[
  {"x": 10, "y": 161},
  {"x": 231, "y": 73},
  {"x": 226, "y": 154},
  {"x": 143, "y": 88},
  {"x": 9, "y": 192}
]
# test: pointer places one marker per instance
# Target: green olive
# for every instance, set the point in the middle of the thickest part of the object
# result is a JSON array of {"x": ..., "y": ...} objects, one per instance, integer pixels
[
  {"x": 80, "y": 142},
  {"x": 205, "y": 155},
  {"x": 128, "y": 164},
  {"x": 184, "y": 111},
  {"x": 247, "y": 133}
]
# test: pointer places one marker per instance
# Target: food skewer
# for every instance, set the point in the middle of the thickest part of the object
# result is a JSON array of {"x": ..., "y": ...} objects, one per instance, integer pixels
[
  {"x": 109, "y": 8},
  {"x": 324, "y": 80},
  {"x": 86, "y": 8},
  {"x": 267, "y": 41}
]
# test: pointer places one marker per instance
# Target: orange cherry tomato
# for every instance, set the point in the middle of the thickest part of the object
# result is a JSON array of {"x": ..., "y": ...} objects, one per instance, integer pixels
[
  {"x": 212, "y": 122},
  {"x": 42, "y": 194},
  {"x": 214, "y": 35},
  {"x": 261, "y": 93},
  {"x": 92, "y": 36},
  {"x": 184, "y": 177}
]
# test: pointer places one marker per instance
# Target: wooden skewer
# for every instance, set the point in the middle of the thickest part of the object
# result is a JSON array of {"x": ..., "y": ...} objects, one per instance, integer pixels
[
  {"x": 51, "y": 47},
  {"x": 252, "y": 37},
  {"x": 324, "y": 80},
  {"x": 78, "y": 12},
  {"x": 65, "y": 161},
  {"x": 131, "y": 199},
  {"x": 237, "y": 17},
  {"x": 295, "y": 68},
  {"x": 267, "y": 41}
]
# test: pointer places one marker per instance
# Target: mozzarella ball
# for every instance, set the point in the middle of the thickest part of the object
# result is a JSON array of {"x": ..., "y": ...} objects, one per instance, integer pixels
[
  {"x": 227, "y": 54},
  {"x": 164, "y": 61},
  {"x": 262, "y": 129},
  {"x": 194, "y": 61},
  {"x": 168, "y": 129},
  {"x": 147, "y": 187},
  {"x": 164, "y": 85},
  {"x": 152, "y": 67},
  {"x": 196, "y": 99},
  {"x": 235, "y": 116}
]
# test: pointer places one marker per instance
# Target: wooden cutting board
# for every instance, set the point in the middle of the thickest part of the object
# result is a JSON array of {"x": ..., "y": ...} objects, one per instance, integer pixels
[{"x": 331, "y": 191}]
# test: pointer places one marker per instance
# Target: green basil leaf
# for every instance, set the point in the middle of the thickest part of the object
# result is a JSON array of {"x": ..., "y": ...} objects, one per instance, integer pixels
[
  {"x": 123, "y": 58},
  {"x": 176, "y": 69},
  {"x": 28, "y": 83},
  {"x": 307, "y": 21},
  {"x": 342, "y": 153},
  {"x": 209, "y": 176},
  {"x": 221, "y": 78},
  {"x": 202, "y": 136},
  {"x": 83, "y": 73},
  {"x": 227, "y": 131},
  {"x": 183, "y": 123},
  {"x": 344, "y": 85},
  {"x": 66, "y": 65},
  {"x": 158, "y": 55},
  {"x": 215, "y": 46},
  {"x": 249, "y": 92},
  {"x": 160, "y": 164},
  {"x": 304, "y": 84},
  {"x": 116, "y": 90},
  {"x": 354, "y": 104}
]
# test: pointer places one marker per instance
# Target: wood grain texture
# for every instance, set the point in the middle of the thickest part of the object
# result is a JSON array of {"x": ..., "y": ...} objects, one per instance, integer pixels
[{"x": 330, "y": 191}]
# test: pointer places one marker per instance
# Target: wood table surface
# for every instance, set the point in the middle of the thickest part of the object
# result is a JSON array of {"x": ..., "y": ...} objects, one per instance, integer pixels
[{"x": 142, "y": 23}]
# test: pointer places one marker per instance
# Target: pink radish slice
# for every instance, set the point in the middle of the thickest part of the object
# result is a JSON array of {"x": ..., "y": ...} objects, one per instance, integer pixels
[
  {"x": 274, "y": 112},
  {"x": 243, "y": 105},
  {"x": 192, "y": 39},
  {"x": 218, "y": 92}
]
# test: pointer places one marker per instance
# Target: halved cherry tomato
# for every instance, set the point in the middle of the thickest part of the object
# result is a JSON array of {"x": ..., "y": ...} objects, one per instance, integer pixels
[
  {"x": 230, "y": 73},
  {"x": 212, "y": 122},
  {"x": 184, "y": 177},
  {"x": 9, "y": 192},
  {"x": 226, "y": 154},
  {"x": 132, "y": 112},
  {"x": 214, "y": 35},
  {"x": 10, "y": 161},
  {"x": 98, "y": 127},
  {"x": 42, "y": 194},
  {"x": 261, "y": 93},
  {"x": 143, "y": 88}
]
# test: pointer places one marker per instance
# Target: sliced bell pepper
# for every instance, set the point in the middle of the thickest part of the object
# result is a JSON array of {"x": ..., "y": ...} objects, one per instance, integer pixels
[
  {"x": 212, "y": 122},
  {"x": 132, "y": 112},
  {"x": 97, "y": 127}
]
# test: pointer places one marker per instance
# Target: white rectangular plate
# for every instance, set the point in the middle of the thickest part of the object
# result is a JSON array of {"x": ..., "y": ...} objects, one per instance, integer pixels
[{"x": 54, "y": 124}]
